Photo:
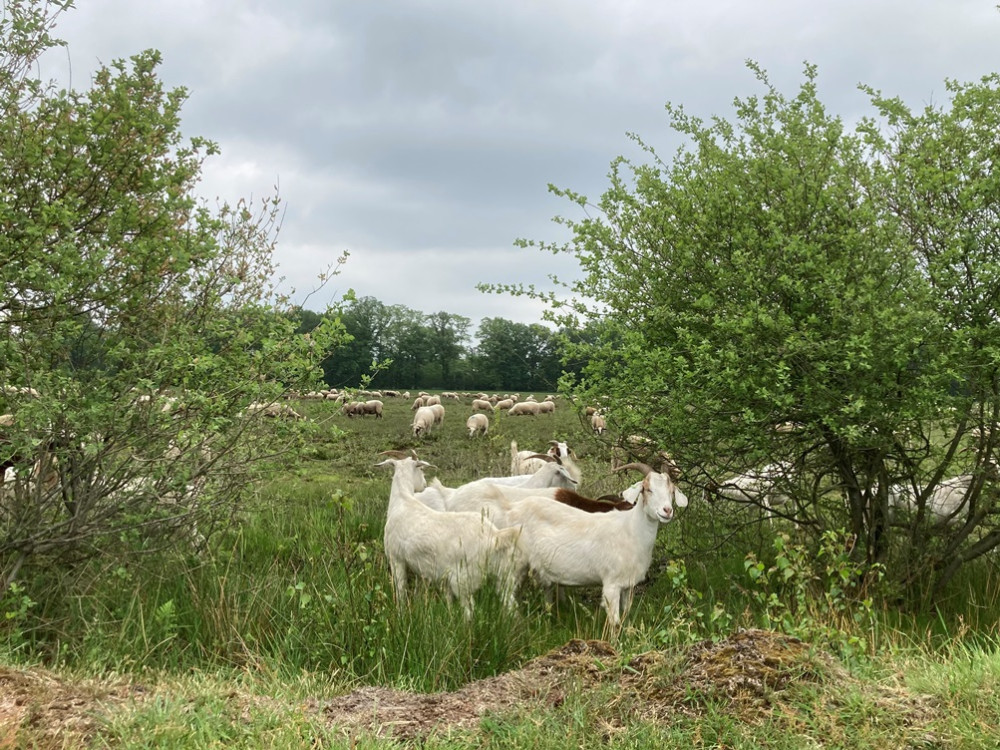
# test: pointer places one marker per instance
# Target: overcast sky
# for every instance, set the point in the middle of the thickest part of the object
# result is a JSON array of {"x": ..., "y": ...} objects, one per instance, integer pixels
[{"x": 421, "y": 136}]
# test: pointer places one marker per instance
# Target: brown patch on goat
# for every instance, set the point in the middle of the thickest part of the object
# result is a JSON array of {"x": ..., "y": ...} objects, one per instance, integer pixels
[{"x": 588, "y": 504}]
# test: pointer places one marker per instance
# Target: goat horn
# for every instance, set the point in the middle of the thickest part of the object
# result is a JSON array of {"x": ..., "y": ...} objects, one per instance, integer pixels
[
  {"x": 646, "y": 469},
  {"x": 544, "y": 456},
  {"x": 395, "y": 454}
]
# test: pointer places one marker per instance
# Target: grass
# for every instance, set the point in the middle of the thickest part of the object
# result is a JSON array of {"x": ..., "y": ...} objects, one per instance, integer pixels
[{"x": 242, "y": 644}]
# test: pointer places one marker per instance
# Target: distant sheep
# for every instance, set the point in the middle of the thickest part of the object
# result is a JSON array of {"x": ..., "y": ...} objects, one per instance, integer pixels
[
  {"x": 423, "y": 421},
  {"x": 524, "y": 408},
  {"x": 598, "y": 424},
  {"x": 480, "y": 404},
  {"x": 478, "y": 424},
  {"x": 273, "y": 410}
]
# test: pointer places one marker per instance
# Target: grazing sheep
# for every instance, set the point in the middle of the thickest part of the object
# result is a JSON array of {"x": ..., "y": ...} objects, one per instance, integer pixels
[
  {"x": 567, "y": 546},
  {"x": 423, "y": 421},
  {"x": 431, "y": 400},
  {"x": 438, "y": 410},
  {"x": 478, "y": 424},
  {"x": 547, "y": 407},
  {"x": 417, "y": 403},
  {"x": 460, "y": 549},
  {"x": 598, "y": 424},
  {"x": 504, "y": 404},
  {"x": 480, "y": 404},
  {"x": 524, "y": 408},
  {"x": 273, "y": 410}
]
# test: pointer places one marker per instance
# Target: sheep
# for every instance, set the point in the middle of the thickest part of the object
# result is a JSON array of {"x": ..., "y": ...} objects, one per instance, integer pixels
[
  {"x": 273, "y": 410},
  {"x": 480, "y": 404},
  {"x": 547, "y": 407},
  {"x": 431, "y": 400},
  {"x": 417, "y": 403},
  {"x": 504, "y": 404},
  {"x": 477, "y": 424},
  {"x": 567, "y": 546},
  {"x": 438, "y": 410},
  {"x": 458, "y": 548},
  {"x": 598, "y": 424},
  {"x": 423, "y": 421},
  {"x": 524, "y": 408}
]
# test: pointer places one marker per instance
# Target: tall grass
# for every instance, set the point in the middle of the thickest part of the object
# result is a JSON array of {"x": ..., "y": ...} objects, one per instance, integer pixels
[{"x": 300, "y": 582}]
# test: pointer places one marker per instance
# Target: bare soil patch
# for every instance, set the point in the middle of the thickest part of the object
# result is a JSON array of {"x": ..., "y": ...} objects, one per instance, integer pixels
[{"x": 754, "y": 674}]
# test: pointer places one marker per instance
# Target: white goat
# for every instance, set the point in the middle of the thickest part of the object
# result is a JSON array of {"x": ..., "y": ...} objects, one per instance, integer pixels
[
  {"x": 460, "y": 549},
  {"x": 567, "y": 546},
  {"x": 757, "y": 487},
  {"x": 943, "y": 504},
  {"x": 528, "y": 462},
  {"x": 477, "y": 424}
]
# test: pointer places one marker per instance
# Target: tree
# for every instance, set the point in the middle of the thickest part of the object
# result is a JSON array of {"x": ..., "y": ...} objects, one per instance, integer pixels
[
  {"x": 448, "y": 335},
  {"x": 514, "y": 355},
  {"x": 144, "y": 321},
  {"x": 784, "y": 271}
]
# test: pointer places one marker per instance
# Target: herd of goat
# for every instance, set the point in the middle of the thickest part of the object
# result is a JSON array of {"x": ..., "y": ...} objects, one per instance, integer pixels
[{"x": 534, "y": 523}]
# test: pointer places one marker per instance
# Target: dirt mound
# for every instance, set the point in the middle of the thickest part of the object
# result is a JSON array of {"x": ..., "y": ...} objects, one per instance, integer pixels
[
  {"x": 749, "y": 673},
  {"x": 58, "y": 713},
  {"x": 405, "y": 715},
  {"x": 753, "y": 674}
]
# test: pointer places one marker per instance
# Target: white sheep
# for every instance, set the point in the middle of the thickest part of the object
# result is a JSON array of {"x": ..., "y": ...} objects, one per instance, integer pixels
[
  {"x": 480, "y": 404},
  {"x": 477, "y": 424},
  {"x": 598, "y": 424},
  {"x": 423, "y": 421},
  {"x": 524, "y": 408},
  {"x": 567, "y": 546},
  {"x": 460, "y": 549},
  {"x": 504, "y": 404},
  {"x": 438, "y": 410}
]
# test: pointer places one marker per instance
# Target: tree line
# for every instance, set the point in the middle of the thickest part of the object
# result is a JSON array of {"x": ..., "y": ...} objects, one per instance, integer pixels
[{"x": 395, "y": 345}]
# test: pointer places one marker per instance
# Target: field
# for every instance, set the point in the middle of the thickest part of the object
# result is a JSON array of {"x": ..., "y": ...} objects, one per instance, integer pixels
[{"x": 284, "y": 632}]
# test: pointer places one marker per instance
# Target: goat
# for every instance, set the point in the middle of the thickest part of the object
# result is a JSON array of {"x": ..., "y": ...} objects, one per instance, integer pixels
[
  {"x": 944, "y": 502},
  {"x": 757, "y": 487},
  {"x": 527, "y": 462},
  {"x": 460, "y": 549},
  {"x": 567, "y": 546}
]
